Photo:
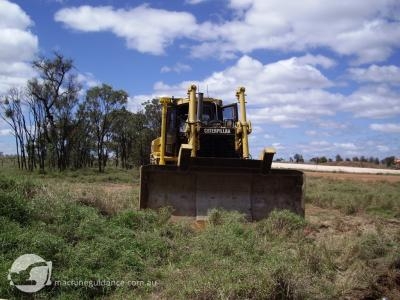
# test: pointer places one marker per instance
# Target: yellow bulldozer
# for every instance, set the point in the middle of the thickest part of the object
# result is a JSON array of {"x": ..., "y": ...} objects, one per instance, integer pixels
[{"x": 202, "y": 161}]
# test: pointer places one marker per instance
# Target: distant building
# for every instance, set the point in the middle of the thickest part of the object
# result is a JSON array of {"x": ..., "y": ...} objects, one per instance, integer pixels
[
  {"x": 1, "y": 154},
  {"x": 397, "y": 162}
]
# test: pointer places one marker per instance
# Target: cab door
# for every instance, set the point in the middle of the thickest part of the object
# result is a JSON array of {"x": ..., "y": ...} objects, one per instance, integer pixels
[{"x": 230, "y": 114}]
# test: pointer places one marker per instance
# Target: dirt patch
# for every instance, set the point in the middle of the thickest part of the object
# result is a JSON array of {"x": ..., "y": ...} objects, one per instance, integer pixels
[
  {"x": 333, "y": 222},
  {"x": 356, "y": 177},
  {"x": 329, "y": 222},
  {"x": 330, "y": 225}
]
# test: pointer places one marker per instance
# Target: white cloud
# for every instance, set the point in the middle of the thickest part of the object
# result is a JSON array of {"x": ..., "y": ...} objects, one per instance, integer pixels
[
  {"x": 387, "y": 127},
  {"x": 350, "y": 28},
  {"x": 345, "y": 146},
  {"x": 260, "y": 80},
  {"x": 285, "y": 92},
  {"x": 383, "y": 148},
  {"x": 6, "y": 132},
  {"x": 329, "y": 148},
  {"x": 278, "y": 146},
  {"x": 317, "y": 60},
  {"x": 177, "y": 68},
  {"x": 12, "y": 16},
  {"x": 369, "y": 31},
  {"x": 87, "y": 79},
  {"x": 267, "y": 136},
  {"x": 194, "y": 2},
  {"x": 377, "y": 74},
  {"x": 373, "y": 102},
  {"x": 135, "y": 102},
  {"x": 17, "y": 46},
  {"x": 144, "y": 29}
]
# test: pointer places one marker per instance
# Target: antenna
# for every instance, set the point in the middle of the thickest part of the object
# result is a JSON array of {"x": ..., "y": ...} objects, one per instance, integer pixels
[{"x": 207, "y": 92}]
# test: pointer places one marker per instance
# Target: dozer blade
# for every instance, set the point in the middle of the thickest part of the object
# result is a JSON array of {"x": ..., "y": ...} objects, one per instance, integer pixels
[{"x": 230, "y": 184}]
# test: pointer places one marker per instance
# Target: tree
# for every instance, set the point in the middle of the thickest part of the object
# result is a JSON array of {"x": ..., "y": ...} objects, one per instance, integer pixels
[
  {"x": 101, "y": 102},
  {"x": 323, "y": 160},
  {"x": 298, "y": 158},
  {"x": 56, "y": 93},
  {"x": 124, "y": 136},
  {"x": 11, "y": 113},
  {"x": 338, "y": 158},
  {"x": 389, "y": 161},
  {"x": 152, "y": 112}
]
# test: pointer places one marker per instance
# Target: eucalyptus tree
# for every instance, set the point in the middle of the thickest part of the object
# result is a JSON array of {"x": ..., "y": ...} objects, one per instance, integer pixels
[
  {"x": 100, "y": 106},
  {"x": 56, "y": 89}
]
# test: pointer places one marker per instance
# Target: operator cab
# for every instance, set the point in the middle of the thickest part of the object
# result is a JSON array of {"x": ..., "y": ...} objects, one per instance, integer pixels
[{"x": 216, "y": 128}]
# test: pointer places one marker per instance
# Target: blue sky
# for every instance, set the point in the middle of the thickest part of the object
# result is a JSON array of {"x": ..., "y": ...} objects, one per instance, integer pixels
[{"x": 321, "y": 77}]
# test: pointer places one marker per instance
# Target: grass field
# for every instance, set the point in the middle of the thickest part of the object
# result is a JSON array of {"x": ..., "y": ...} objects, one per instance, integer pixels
[{"x": 88, "y": 225}]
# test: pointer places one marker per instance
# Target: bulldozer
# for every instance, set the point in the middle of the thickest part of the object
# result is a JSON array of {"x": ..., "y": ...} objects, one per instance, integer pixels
[{"x": 201, "y": 161}]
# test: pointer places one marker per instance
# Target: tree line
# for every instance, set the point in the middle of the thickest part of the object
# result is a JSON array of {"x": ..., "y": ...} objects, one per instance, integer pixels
[
  {"x": 58, "y": 125},
  {"x": 389, "y": 161}
]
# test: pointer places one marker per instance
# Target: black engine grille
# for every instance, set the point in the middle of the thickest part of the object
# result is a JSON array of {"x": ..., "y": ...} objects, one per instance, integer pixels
[{"x": 217, "y": 145}]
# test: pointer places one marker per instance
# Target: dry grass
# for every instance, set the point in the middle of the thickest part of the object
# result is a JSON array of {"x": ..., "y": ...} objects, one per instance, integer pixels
[
  {"x": 90, "y": 228},
  {"x": 108, "y": 198}
]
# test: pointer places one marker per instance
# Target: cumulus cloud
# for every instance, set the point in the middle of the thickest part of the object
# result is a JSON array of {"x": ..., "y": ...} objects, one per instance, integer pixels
[
  {"x": 144, "y": 29},
  {"x": 177, "y": 68},
  {"x": 286, "y": 92},
  {"x": 317, "y": 60},
  {"x": 376, "y": 74},
  {"x": 323, "y": 147},
  {"x": 135, "y": 102},
  {"x": 17, "y": 46},
  {"x": 87, "y": 80},
  {"x": 387, "y": 127},
  {"x": 260, "y": 80},
  {"x": 373, "y": 102},
  {"x": 369, "y": 31}
]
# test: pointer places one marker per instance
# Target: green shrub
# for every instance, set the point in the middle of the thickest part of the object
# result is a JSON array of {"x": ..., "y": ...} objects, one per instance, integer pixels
[
  {"x": 372, "y": 246},
  {"x": 7, "y": 183},
  {"x": 281, "y": 222},
  {"x": 15, "y": 207},
  {"x": 137, "y": 220},
  {"x": 218, "y": 216}
]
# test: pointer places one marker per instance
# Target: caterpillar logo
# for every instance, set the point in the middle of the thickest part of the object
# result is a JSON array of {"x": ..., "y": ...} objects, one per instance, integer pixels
[{"x": 217, "y": 130}]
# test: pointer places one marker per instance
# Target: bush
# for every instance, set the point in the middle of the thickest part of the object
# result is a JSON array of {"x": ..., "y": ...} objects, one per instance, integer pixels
[
  {"x": 137, "y": 220},
  {"x": 372, "y": 246},
  {"x": 15, "y": 207},
  {"x": 281, "y": 222}
]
